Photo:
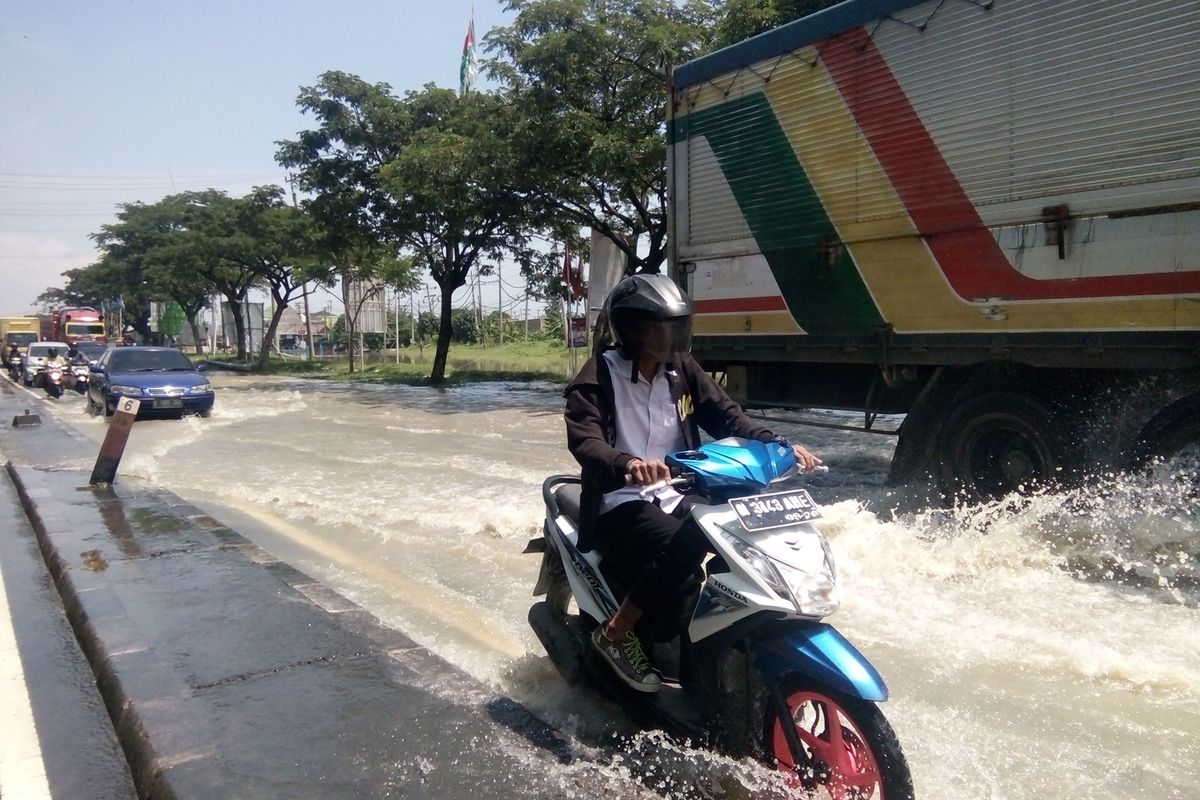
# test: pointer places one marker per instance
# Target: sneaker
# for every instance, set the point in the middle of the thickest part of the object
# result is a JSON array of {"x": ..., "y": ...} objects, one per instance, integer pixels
[{"x": 628, "y": 660}]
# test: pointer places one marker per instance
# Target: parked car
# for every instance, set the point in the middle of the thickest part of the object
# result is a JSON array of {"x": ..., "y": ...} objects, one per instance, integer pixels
[
  {"x": 162, "y": 378},
  {"x": 35, "y": 360}
]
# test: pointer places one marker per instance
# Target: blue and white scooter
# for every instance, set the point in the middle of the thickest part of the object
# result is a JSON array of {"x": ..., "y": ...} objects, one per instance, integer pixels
[{"x": 755, "y": 673}]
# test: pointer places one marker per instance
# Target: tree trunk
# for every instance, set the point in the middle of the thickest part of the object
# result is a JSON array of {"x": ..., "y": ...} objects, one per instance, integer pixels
[
  {"x": 239, "y": 326},
  {"x": 351, "y": 317},
  {"x": 445, "y": 330},
  {"x": 195, "y": 332},
  {"x": 269, "y": 334}
]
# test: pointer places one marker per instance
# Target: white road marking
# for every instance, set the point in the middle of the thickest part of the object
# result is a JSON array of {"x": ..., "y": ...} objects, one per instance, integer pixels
[{"x": 22, "y": 770}]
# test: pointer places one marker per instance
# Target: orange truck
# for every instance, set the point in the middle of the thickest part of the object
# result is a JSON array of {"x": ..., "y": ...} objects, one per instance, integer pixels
[
  {"x": 75, "y": 324},
  {"x": 982, "y": 215}
]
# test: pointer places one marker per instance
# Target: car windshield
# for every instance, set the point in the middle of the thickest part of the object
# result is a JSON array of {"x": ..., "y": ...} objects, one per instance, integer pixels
[
  {"x": 138, "y": 360},
  {"x": 20, "y": 339},
  {"x": 43, "y": 350},
  {"x": 91, "y": 349}
]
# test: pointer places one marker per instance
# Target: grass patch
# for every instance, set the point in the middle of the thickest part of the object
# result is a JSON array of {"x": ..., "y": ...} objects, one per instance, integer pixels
[{"x": 517, "y": 362}]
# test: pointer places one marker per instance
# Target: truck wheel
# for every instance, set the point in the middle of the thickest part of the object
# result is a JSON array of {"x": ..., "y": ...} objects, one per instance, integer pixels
[
  {"x": 997, "y": 443},
  {"x": 1171, "y": 435}
]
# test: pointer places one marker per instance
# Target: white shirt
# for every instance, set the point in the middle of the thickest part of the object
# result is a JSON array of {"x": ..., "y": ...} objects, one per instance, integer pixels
[{"x": 648, "y": 426}]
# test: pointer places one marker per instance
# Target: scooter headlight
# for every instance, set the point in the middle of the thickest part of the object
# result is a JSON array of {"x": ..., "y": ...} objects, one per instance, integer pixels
[
  {"x": 809, "y": 581},
  {"x": 811, "y": 577}
]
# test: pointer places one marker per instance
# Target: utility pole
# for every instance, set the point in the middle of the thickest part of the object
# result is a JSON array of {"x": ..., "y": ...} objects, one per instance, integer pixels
[
  {"x": 479, "y": 305},
  {"x": 500, "y": 303},
  {"x": 304, "y": 286}
]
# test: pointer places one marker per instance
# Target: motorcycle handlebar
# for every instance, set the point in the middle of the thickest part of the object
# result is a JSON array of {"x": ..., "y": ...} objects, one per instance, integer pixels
[
  {"x": 654, "y": 487},
  {"x": 683, "y": 480}
]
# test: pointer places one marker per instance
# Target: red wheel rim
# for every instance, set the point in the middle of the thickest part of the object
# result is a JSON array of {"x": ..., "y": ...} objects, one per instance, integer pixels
[{"x": 840, "y": 759}]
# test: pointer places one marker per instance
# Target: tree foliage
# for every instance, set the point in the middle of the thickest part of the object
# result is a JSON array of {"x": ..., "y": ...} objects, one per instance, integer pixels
[
  {"x": 432, "y": 173},
  {"x": 588, "y": 80},
  {"x": 741, "y": 19}
]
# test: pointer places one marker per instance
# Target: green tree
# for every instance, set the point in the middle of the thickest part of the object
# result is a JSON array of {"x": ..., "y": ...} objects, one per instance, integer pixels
[
  {"x": 431, "y": 173},
  {"x": 552, "y": 324},
  {"x": 150, "y": 234},
  {"x": 741, "y": 19},
  {"x": 274, "y": 242},
  {"x": 464, "y": 326},
  {"x": 147, "y": 238},
  {"x": 427, "y": 326},
  {"x": 206, "y": 236},
  {"x": 588, "y": 80},
  {"x": 108, "y": 278}
]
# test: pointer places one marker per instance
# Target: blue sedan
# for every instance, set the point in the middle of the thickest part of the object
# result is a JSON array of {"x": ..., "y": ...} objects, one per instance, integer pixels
[{"x": 162, "y": 378}]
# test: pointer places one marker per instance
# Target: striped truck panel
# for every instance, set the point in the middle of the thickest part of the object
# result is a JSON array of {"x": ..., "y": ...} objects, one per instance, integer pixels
[{"x": 897, "y": 172}]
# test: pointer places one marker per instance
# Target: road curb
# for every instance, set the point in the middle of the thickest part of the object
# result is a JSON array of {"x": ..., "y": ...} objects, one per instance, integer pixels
[
  {"x": 162, "y": 710},
  {"x": 131, "y": 732}
]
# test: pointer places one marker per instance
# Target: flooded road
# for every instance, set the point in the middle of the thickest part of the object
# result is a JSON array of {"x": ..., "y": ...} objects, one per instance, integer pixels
[{"x": 1043, "y": 648}]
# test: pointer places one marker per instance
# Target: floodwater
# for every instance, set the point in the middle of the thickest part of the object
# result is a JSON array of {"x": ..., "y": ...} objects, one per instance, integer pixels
[{"x": 1034, "y": 648}]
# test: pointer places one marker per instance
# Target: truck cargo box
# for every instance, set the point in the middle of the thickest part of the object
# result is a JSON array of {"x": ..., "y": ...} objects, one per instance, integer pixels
[
  {"x": 982, "y": 213},
  {"x": 944, "y": 167}
]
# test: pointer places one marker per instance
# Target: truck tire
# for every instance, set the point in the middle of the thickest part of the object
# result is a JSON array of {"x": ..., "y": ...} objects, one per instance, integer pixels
[
  {"x": 997, "y": 443},
  {"x": 1173, "y": 433}
]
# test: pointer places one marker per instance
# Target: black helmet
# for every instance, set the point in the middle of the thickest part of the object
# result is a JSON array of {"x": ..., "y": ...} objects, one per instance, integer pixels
[{"x": 650, "y": 313}]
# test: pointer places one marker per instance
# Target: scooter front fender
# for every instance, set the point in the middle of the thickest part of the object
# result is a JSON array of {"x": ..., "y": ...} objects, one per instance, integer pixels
[{"x": 818, "y": 651}]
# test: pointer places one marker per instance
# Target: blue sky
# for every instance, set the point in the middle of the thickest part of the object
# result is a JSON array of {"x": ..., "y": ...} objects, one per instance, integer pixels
[{"x": 116, "y": 101}]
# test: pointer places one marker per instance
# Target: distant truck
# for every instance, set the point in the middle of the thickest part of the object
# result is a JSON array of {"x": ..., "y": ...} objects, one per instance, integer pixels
[
  {"x": 984, "y": 215},
  {"x": 21, "y": 331},
  {"x": 76, "y": 324}
]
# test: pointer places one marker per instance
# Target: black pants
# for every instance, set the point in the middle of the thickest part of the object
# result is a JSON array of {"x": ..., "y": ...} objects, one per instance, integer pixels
[{"x": 658, "y": 555}]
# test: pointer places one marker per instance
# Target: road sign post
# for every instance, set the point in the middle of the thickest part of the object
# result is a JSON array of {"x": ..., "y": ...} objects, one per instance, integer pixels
[{"x": 113, "y": 448}]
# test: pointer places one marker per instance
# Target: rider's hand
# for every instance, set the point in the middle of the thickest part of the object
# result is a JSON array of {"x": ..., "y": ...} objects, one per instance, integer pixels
[
  {"x": 644, "y": 473},
  {"x": 808, "y": 462}
]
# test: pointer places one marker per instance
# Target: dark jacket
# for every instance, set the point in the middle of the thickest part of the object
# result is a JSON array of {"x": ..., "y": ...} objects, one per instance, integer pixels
[{"x": 591, "y": 427}]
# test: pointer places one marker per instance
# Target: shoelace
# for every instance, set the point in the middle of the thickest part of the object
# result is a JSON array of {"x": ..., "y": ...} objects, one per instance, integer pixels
[{"x": 634, "y": 653}]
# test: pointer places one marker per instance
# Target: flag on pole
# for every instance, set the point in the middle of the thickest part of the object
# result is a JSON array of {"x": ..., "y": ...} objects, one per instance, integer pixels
[{"x": 469, "y": 69}]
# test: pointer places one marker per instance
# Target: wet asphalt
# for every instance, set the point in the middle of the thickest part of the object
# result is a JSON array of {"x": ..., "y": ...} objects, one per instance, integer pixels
[{"x": 173, "y": 658}]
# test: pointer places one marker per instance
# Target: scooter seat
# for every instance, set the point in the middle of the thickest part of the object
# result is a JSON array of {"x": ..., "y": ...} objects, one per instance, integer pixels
[{"x": 568, "y": 496}]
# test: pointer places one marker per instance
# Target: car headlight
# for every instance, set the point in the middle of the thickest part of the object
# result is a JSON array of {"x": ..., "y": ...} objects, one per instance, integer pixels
[
  {"x": 127, "y": 391},
  {"x": 204, "y": 388},
  {"x": 810, "y": 582}
]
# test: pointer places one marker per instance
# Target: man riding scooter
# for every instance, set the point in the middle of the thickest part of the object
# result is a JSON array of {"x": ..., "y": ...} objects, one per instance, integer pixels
[
  {"x": 14, "y": 362},
  {"x": 76, "y": 375},
  {"x": 626, "y": 409}
]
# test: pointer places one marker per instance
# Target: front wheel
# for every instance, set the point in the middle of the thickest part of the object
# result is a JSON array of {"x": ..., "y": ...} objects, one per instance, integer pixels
[{"x": 842, "y": 747}]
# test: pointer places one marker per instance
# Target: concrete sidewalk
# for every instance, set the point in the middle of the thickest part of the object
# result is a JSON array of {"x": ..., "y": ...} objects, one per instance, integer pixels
[
  {"x": 227, "y": 673},
  {"x": 59, "y": 741}
]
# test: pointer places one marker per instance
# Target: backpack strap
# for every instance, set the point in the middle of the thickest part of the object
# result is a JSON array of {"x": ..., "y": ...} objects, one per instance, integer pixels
[{"x": 604, "y": 379}]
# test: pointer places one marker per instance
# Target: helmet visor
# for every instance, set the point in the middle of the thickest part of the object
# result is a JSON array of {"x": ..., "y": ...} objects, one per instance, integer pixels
[{"x": 664, "y": 339}]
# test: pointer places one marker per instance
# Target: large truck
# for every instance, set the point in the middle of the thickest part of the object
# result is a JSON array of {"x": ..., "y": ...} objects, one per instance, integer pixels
[
  {"x": 981, "y": 214},
  {"x": 75, "y": 324},
  {"x": 19, "y": 331}
]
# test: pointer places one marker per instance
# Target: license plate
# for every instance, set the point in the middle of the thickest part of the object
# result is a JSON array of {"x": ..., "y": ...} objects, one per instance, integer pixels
[
  {"x": 762, "y": 511},
  {"x": 170, "y": 402}
]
